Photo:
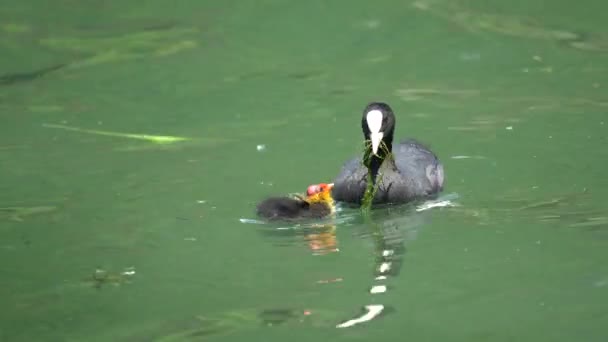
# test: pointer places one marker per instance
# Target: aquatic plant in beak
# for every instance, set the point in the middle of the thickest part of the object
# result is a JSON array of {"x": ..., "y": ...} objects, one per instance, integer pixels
[
  {"x": 373, "y": 179},
  {"x": 368, "y": 152}
]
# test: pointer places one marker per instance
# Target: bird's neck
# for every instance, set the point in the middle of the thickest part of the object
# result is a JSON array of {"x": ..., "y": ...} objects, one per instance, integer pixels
[
  {"x": 376, "y": 161},
  {"x": 374, "y": 167}
]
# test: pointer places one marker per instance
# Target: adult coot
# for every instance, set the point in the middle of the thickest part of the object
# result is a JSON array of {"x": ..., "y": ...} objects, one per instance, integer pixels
[
  {"x": 402, "y": 173},
  {"x": 317, "y": 204}
]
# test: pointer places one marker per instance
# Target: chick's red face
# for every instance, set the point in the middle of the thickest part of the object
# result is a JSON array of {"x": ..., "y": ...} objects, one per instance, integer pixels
[
  {"x": 318, "y": 188},
  {"x": 313, "y": 189}
]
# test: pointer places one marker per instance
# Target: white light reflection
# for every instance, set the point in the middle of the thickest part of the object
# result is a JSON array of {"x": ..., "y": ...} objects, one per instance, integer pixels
[{"x": 372, "y": 311}]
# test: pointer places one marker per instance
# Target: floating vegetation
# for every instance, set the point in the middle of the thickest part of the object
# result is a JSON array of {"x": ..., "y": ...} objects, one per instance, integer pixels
[
  {"x": 461, "y": 156},
  {"x": 19, "y": 77},
  {"x": 595, "y": 45},
  {"x": 444, "y": 97},
  {"x": 198, "y": 142},
  {"x": 158, "y": 142},
  {"x": 591, "y": 222},
  {"x": 18, "y": 214},
  {"x": 45, "y": 108},
  {"x": 203, "y": 326},
  {"x": 413, "y": 94},
  {"x": 138, "y": 41},
  {"x": 99, "y": 50},
  {"x": 515, "y": 26},
  {"x": 129, "y": 46},
  {"x": 175, "y": 48},
  {"x": 14, "y": 28},
  {"x": 157, "y": 139},
  {"x": 103, "y": 277},
  {"x": 12, "y": 147}
]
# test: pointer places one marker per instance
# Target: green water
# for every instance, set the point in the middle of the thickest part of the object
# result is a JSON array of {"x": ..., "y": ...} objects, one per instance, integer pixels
[{"x": 510, "y": 95}]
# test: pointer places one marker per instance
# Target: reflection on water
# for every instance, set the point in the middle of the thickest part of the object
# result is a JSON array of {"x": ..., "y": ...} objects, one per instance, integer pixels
[
  {"x": 388, "y": 228},
  {"x": 322, "y": 240},
  {"x": 319, "y": 236},
  {"x": 391, "y": 228}
]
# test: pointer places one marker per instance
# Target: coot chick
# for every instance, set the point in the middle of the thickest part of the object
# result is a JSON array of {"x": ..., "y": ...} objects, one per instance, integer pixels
[
  {"x": 317, "y": 204},
  {"x": 405, "y": 172}
]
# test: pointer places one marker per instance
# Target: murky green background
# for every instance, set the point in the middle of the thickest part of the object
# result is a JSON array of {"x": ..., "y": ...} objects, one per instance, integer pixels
[{"x": 510, "y": 95}]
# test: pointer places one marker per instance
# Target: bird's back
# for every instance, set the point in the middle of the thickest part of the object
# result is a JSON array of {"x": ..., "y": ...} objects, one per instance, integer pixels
[
  {"x": 412, "y": 173},
  {"x": 350, "y": 184},
  {"x": 416, "y": 173},
  {"x": 280, "y": 208}
]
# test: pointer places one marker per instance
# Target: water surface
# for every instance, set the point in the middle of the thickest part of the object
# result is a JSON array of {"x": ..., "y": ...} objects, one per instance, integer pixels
[{"x": 110, "y": 238}]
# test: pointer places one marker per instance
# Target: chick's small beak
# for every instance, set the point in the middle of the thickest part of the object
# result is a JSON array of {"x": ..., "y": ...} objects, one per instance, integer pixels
[
  {"x": 376, "y": 138},
  {"x": 330, "y": 186}
]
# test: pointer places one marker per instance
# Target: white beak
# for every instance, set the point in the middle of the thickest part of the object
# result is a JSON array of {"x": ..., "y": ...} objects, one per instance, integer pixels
[
  {"x": 376, "y": 138},
  {"x": 374, "y": 123}
]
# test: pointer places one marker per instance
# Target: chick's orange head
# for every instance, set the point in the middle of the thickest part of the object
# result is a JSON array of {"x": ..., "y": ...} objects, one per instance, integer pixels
[
  {"x": 317, "y": 188},
  {"x": 320, "y": 192}
]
